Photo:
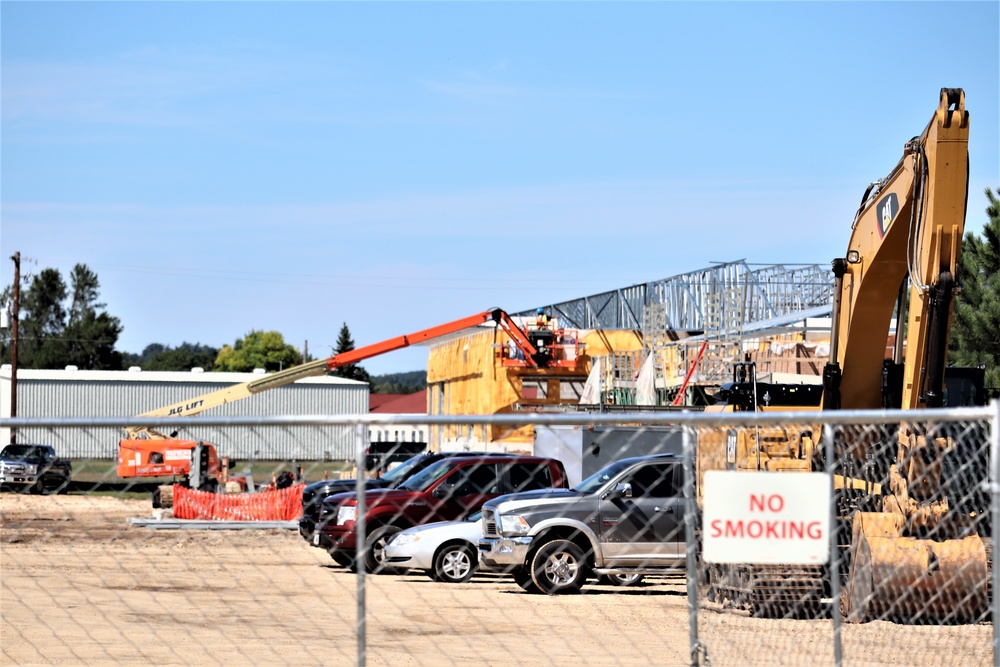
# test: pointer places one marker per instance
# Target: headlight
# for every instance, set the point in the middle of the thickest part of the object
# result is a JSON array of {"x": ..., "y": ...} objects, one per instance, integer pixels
[
  {"x": 402, "y": 539},
  {"x": 514, "y": 525},
  {"x": 30, "y": 469},
  {"x": 346, "y": 513}
]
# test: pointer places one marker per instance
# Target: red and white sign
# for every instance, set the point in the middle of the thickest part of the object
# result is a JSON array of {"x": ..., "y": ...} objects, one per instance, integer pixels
[{"x": 766, "y": 517}]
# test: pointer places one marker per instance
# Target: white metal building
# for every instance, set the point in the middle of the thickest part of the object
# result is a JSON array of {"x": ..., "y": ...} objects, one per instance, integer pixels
[{"x": 124, "y": 394}]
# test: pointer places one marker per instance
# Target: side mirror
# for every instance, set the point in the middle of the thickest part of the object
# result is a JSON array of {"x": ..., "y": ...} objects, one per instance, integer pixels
[
  {"x": 623, "y": 490},
  {"x": 442, "y": 491}
]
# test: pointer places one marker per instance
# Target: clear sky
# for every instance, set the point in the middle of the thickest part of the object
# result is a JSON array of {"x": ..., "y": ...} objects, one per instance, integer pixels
[{"x": 225, "y": 167}]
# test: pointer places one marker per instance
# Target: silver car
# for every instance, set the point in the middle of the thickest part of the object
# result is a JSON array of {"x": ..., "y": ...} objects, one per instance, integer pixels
[{"x": 447, "y": 550}]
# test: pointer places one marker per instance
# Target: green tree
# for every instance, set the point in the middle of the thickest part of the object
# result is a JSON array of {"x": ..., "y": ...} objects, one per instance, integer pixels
[
  {"x": 49, "y": 336},
  {"x": 258, "y": 349},
  {"x": 160, "y": 357},
  {"x": 352, "y": 371},
  {"x": 90, "y": 336},
  {"x": 182, "y": 358},
  {"x": 150, "y": 351},
  {"x": 399, "y": 383},
  {"x": 42, "y": 321},
  {"x": 975, "y": 337},
  {"x": 86, "y": 289}
]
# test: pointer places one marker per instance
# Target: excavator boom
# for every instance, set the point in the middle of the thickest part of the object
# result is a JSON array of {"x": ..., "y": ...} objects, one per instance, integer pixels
[
  {"x": 910, "y": 224},
  {"x": 909, "y": 498}
]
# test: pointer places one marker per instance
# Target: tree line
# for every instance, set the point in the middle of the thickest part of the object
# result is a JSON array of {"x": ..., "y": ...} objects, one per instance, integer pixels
[{"x": 62, "y": 325}]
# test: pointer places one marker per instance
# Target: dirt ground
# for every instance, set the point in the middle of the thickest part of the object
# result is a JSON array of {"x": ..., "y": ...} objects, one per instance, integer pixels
[{"x": 79, "y": 586}]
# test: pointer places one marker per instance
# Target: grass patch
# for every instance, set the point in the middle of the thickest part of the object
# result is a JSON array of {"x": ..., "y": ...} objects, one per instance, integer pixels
[
  {"x": 98, "y": 471},
  {"x": 123, "y": 495}
]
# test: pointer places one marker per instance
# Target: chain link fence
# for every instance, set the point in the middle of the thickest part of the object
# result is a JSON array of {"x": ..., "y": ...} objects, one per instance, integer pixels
[{"x": 861, "y": 538}]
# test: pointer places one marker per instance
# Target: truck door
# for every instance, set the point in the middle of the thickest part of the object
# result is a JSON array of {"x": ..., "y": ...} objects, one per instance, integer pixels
[
  {"x": 464, "y": 491},
  {"x": 649, "y": 525},
  {"x": 527, "y": 477}
]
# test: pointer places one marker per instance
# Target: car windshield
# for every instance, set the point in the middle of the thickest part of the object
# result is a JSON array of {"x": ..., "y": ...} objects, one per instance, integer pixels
[
  {"x": 403, "y": 470},
  {"x": 23, "y": 453},
  {"x": 601, "y": 477},
  {"x": 475, "y": 516},
  {"x": 426, "y": 477}
]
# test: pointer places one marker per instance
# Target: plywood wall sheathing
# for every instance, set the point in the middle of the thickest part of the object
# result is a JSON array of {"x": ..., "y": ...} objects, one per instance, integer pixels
[{"x": 464, "y": 377}]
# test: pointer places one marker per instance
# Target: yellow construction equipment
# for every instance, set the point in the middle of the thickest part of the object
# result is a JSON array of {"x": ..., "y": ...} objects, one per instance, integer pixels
[{"x": 908, "y": 501}]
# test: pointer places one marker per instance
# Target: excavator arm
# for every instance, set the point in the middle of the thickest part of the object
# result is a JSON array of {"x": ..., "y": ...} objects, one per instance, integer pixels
[
  {"x": 908, "y": 497},
  {"x": 918, "y": 532},
  {"x": 909, "y": 226}
]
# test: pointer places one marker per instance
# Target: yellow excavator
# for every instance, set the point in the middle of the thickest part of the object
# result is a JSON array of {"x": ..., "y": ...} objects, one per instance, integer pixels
[
  {"x": 911, "y": 512},
  {"x": 918, "y": 554}
]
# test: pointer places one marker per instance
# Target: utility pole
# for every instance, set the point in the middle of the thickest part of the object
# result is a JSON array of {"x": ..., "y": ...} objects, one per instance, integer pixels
[{"x": 13, "y": 343}]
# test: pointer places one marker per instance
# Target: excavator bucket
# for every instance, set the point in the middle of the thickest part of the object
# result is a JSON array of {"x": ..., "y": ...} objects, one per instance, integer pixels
[{"x": 913, "y": 580}]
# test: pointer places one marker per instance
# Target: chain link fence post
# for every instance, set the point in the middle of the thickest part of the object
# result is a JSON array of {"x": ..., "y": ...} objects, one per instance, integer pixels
[
  {"x": 359, "y": 555},
  {"x": 691, "y": 543},
  {"x": 994, "y": 523},
  {"x": 831, "y": 459}
]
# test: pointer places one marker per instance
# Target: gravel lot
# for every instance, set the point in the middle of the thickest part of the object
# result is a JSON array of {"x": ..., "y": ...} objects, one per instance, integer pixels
[{"x": 79, "y": 586}]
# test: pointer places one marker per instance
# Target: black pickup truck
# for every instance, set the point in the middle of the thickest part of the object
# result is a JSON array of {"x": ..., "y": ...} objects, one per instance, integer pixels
[
  {"x": 34, "y": 468},
  {"x": 381, "y": 454}
]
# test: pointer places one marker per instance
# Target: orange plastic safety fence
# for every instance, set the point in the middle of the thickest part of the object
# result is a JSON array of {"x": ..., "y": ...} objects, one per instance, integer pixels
[{"x": 267, "y": 505}]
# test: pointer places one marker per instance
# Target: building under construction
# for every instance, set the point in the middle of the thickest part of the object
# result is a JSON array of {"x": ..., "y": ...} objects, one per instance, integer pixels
[{"x": 653, "y": 345}]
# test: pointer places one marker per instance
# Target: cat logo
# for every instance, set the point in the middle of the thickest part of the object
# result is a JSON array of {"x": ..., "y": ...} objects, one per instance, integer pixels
[{"x": 887, "y": 209}]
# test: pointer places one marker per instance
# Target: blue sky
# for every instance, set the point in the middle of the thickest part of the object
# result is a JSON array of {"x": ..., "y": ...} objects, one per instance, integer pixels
[{"x": 225, "y": 167}]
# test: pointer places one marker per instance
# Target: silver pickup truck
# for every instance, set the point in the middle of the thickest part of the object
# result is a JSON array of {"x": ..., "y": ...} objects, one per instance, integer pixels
[{"x": 623, "y": 522}]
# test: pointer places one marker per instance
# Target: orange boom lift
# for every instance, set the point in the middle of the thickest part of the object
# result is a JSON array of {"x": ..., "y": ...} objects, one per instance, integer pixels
[{"x": 150, "y": 453}]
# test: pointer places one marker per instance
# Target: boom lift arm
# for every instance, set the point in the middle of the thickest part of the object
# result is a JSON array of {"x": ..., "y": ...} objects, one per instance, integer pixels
[{"x": 238, "y": 392}]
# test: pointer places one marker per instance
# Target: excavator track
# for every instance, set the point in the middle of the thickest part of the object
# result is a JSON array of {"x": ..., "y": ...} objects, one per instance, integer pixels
[
  {"x": 768, "y": 591},
  {"x": 786, "y": 591}
]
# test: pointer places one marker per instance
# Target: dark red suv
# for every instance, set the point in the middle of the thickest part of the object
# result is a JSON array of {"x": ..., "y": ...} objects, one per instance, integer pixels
[{"x": 450, "y": 489}]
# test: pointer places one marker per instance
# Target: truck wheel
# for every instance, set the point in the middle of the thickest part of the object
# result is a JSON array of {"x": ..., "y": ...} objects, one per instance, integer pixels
[
  {"x": 558, "y": 567},
  {"x": 522, "y": 577},
  {"x": 342, "y": 559},
  {"x": 375, "y": 548},
  {"x": 455, "y": 563},
  {"x": 41, "y": 489},
  {"x": 620, "y": 579}
]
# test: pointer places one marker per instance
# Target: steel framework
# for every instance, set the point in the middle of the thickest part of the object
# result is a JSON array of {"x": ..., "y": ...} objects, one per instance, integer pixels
[{"x": 691, "y": 302}]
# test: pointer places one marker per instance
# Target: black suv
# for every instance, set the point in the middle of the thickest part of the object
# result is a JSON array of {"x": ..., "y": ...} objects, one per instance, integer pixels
[{"x": 314, "y": 494}]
